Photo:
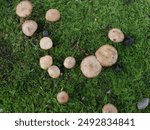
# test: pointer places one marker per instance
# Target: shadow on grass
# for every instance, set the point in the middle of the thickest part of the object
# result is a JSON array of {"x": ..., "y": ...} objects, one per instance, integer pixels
[{"x": 7, "y": 59}]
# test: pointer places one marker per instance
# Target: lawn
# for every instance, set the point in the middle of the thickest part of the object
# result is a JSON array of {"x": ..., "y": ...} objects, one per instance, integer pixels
[{"x": 83, "y": 28}]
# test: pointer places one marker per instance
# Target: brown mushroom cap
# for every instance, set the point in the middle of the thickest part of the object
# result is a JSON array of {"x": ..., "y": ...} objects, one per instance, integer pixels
[
  {"x": 116, "y": 35},
  {"x": 109, "y": 108},
  {"x": 69, "y": 62},
  {"x": 54, "y": 71},
  {"x": 52, "y": 15},
  {"x": 24, "y": 8},
  {"x": 46, "y": 43},
  {"x": 29, "y": 27},
  {"x": 62, "y": 97},
  {"x": 90, "y": 67},
  {"x": 107, "y": 55},
  {"x": 46, "y": 62}
]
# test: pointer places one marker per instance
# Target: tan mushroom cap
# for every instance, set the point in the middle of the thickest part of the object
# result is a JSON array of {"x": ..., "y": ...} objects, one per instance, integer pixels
[
  {"x": 54, "y": 71},
  {"x": 62, "y": 97},
  {"x": 29, "y": 27},
  {"x": 90, "y": 67},
  {"x": 24, "y": 8},
  {"x": 116, "y": 35},
  {"x": 109, "y": 108},
  {"x": 46, "y": 43},
  {"x": 46, "y": 62},
  {"x": 52, "y": 15},
  {"x": 69, "y": 62},
  {"x": 107, "y": 55}
]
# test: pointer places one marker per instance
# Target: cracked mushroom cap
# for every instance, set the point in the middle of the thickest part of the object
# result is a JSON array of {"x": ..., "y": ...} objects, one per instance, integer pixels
[
  {"x": 107, "y": 55},
  {"x": 46, "y": 43},
  {"x": 52, "y": 15},
  {"x": 54, "y": 71},
  {"x": 116, "y": 35},
  {"x": 69, "y": 62},
  {"x": 109, "y": 108},
  {"x": 29, "y": 27},
  {"x": 90, "y": 67},
  {"x": 46, "y": 62},
  {"x": 62, "y": 97},
  {"x": 24, "y": 8}
]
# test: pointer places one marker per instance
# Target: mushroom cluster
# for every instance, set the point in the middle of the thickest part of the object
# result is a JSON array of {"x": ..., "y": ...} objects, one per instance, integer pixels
[
  {"x": 23, "y": 10},
  {"x": 29, "y": 27},
  {"x": 91, "y": 66},
  {"x": 105, "y": 56},
  {"x": 46, "y": 62}
]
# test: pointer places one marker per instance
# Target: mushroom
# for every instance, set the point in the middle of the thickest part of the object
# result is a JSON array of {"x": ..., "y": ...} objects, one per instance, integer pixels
[
  {"x": 109, "y": 108},
  {"x": 54, "y": 71},
  {"x": 46, "y": 43},
  {"x": 107, "y": 55},
  {"x": 90, "y": 67},
  {"x": 46, "y": 62},
  {"x": 52, "y": 15},
  {"x": 62, "y": 97},
  {"x": 24, "y": 8},
  {"x": 29, "y": 27},
  {"x": 116, "y": 35},
  {"x": 69, "y": 62}
]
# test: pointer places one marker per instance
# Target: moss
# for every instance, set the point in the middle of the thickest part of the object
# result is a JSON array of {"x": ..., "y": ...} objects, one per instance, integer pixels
[{"x": 83, "y": 27}]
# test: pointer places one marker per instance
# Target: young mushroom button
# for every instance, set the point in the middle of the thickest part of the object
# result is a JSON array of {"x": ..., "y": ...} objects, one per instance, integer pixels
[
  {"x": 69, "y": 62},
  {"x": 29, "y": 27},
  {"x": 24, "y": 9},
  {"x": 107, "y": 55},
  {"x": 62, "y": 97},
  {"x": 109, "y": 108},
  {"x": 90, "y": 67},
  {"x": 54, "y": 71},
  {"x": 46, "y": 62},
  {"x": 46, "y": 43},
  {"x": 116, "y": 35},
  {"x": 52, "y": 15}
]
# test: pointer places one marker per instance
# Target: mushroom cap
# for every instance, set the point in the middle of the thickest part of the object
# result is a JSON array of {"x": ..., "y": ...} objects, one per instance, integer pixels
[
  {"x": 90, "y": 67},
  {"x": 69, "y": 62},
  {"x": 116, "y": 35},
  {"x": 54, "y": 71},
  {"x": 109, "y": 108},
  {"x": 46, "y": 43},
  {"x": 29, "y": 27},
  {"x": 107, "y": 55},
  {"x": 52, "y": 15},
  {"x": 46, "y": 62},
  {"x": 62, "y": 97},
  {"x": 24, "y": 9}
]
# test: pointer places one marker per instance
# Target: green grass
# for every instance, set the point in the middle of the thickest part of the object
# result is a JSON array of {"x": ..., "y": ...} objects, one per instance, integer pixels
[{"x": 25, "y": 87}]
